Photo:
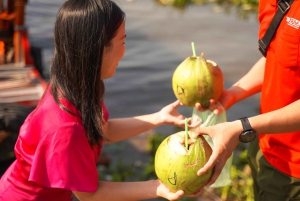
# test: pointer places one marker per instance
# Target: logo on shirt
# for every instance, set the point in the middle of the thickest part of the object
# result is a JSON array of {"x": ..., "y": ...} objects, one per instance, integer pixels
[{"x": 293, "y": 22}]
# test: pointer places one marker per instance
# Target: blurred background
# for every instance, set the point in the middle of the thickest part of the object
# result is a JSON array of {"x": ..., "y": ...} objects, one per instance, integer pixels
[{"x": 159, "y": 35}]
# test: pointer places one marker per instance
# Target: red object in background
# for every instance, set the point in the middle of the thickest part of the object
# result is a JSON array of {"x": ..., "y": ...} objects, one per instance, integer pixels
[
  {"x": 21, "y": 84},
  {"x": 20, "y": 81},
  {"x": 26, "y": 48}
]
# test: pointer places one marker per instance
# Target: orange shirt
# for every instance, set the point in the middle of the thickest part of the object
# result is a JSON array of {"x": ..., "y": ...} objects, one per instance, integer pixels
[{"x": 281, "y": 84}]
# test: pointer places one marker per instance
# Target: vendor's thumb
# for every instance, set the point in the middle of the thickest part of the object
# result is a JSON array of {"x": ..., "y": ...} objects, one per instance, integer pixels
[{"x": 200, "y": 131}]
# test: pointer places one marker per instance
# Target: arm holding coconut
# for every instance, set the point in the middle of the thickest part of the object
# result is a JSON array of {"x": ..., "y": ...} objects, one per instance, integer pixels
[
  {"x": 129, "y": 191},
  {"x": 123, "y": 128},
  {"x": 225, "y": 135},
  {"x": 247, "y": 86}
]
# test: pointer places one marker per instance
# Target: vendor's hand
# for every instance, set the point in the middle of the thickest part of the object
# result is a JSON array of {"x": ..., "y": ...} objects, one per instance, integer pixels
[
  {"x": 163, "y": 191},
  {"x": 225, "y": 138},
  {"x": 196, "y": 194},
  {"x": 170, "y": 115},
  {"x": 225, "y": 101},
  {"x": 214, "y": 106}
]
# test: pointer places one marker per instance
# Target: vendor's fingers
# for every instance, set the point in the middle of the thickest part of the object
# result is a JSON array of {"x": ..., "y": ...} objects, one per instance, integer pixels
[
  {"x": 196, "y": 194},
  {"x": 180, "y": 137},
  {"x": 199, "y": 192},
  {"x": 199, "y": 107},
  {"x": 212, "y": 104},
  {"x": 216, "y": 107},
  {"x": 218, "y": 111},
  {"x": 209, "y": 165},
  {"x": 200, "y": 131},
  {"x": 216, "y": 172}
]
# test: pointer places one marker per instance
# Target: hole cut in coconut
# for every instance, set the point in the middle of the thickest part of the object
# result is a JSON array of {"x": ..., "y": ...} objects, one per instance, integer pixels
[
  {"x": 177, "y": 144},
  {"x": 212, "y": 62}
]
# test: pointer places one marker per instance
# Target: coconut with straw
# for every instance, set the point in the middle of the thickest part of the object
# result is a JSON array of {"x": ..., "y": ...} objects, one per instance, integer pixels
[{"x": 177, "y": 160}]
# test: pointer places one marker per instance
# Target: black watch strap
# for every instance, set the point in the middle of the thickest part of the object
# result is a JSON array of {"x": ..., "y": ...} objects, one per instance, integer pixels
[
  {"x": 248, "y": 134},
  {"x": 246, "y": 124}
]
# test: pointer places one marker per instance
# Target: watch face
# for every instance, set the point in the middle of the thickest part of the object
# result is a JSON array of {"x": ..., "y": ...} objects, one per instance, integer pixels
[{"x": 248, "y": 136}]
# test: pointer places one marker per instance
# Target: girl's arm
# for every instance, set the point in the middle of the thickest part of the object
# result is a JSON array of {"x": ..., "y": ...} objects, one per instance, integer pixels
[
  {"x": 128, "y": 191},
  {"x": 122, "y": 128}
]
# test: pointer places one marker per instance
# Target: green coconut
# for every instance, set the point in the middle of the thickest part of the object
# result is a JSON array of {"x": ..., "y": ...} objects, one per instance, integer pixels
[
  {"x": 176, "y": 167},
  {"x": 197, "y": 80}
]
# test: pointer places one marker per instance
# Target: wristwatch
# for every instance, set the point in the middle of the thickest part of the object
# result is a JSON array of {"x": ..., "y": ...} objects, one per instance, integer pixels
[{"x": 248, "y": 134}]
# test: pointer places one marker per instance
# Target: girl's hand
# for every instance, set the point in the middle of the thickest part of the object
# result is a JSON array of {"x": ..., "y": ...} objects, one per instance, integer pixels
[
  {"x": 225, "y": 138},
  {"x": 170, "y": 115},
  {"x": 163, "y": 191}
]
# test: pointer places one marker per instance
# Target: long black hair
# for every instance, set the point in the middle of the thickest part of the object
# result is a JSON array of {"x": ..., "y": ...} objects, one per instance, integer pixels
[{"x": 82, "y": 29}]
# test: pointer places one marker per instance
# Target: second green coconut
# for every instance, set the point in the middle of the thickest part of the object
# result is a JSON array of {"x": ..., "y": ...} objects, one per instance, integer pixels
[{"x": 197, "y": 80}]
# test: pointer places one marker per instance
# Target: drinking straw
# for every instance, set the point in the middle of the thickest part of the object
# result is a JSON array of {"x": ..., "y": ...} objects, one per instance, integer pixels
[
  {"x": 186, "y": 134},
  {"x": 193, "y": 48}
]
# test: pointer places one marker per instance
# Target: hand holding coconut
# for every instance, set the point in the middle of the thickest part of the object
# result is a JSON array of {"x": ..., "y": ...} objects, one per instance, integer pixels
[
  {"x": 214, "y": 106},
  {"x": 225, "y": 140},
  {"x": 177, "y": 160},
  {"x": 170, "y": 115},
  {"x": 197, "y": 80},
  {"x": 199, "y": 83}
]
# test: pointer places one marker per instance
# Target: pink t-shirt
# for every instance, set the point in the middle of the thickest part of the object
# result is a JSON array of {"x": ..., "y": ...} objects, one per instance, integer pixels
[{"x": 53, "y": 155}]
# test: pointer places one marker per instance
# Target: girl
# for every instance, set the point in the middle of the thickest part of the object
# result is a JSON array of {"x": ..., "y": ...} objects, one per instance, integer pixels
[{"x": 61, "y": 139}]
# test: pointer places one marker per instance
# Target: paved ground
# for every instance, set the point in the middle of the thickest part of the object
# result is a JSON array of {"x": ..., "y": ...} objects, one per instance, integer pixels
[{"x": 158, "y": 39}]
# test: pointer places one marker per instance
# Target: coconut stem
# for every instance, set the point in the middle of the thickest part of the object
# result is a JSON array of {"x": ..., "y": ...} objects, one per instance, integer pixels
[
  {"x": 186, "y": 134},
  {"x": 193, "y": 48}
]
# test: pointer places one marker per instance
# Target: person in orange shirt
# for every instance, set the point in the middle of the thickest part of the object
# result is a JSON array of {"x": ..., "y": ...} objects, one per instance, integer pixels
[
  {"x": 274, "y": 135},
  {"x": 59, "y": 143}
]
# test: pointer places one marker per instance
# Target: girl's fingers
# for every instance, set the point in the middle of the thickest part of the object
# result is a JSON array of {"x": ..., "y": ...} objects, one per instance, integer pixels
[
  {"x": 176, "y": 104},
  {"x": 176, "y": 196},
  {"x": 193, "y": 124}
]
